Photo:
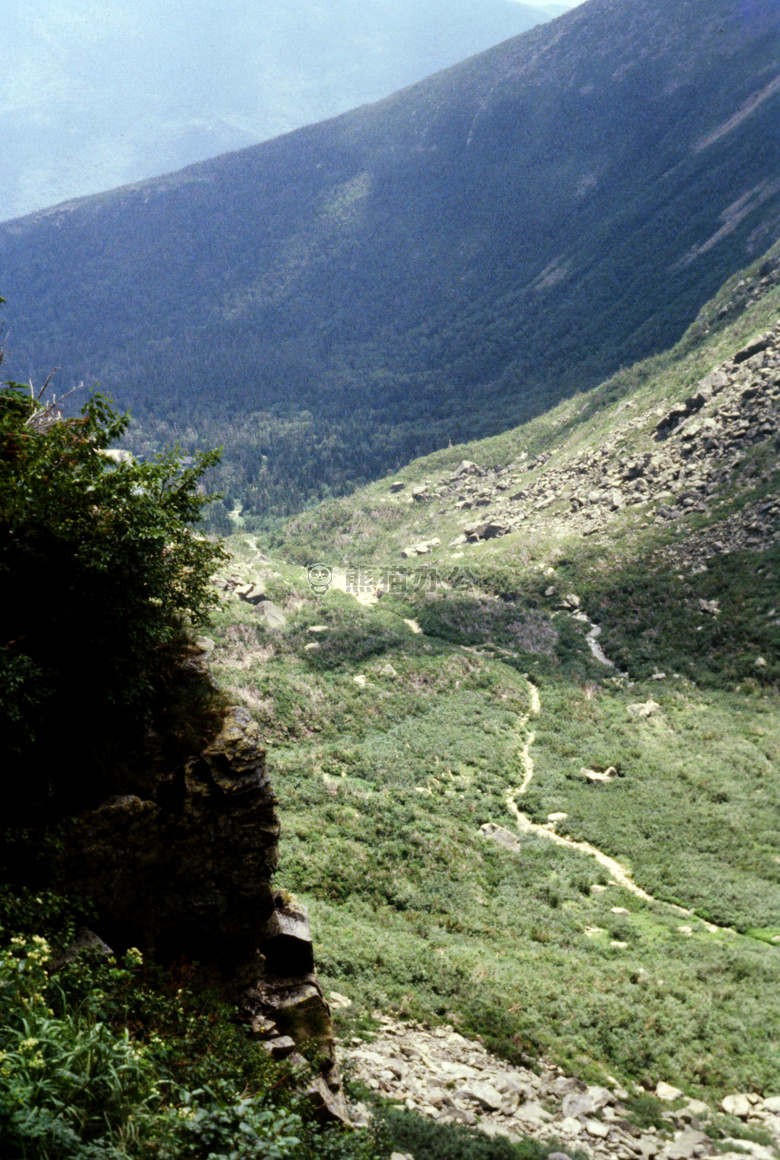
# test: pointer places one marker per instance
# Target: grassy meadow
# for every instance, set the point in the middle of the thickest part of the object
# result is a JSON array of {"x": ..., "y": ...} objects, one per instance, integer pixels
[
  {"x": 397, "y": 730},
  {"x": 390, "y": 748}
]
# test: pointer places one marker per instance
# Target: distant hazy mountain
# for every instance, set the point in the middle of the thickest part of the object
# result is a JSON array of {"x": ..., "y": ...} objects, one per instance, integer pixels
[
  {"x": 440, "y": 265},
  {"x": 95, "y": 96}
]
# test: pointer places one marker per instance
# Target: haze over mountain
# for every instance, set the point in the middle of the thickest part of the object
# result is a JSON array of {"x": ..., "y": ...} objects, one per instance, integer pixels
[
  {"x": 522, "y": 717},
  {"x": 438, "y": 266},
  {"x": 94, "y": 97}
]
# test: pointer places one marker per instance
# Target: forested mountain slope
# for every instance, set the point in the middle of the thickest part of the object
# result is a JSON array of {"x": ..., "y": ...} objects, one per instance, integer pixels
[
  {"x": 435, "y": 267},
  {"x": 118, "y": 94}
]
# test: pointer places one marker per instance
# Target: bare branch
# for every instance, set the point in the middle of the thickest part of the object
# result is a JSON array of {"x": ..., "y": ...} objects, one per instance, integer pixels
[
  {"x": 45, "y": 385},
  {"x": 51, "y": 412}
]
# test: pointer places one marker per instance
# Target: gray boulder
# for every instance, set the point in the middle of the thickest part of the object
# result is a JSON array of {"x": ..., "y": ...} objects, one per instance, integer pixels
[
  {"x": 272, "y": 614},
  {"x": 487, "y": 531},
  {"x": 484, "y": 1094}
]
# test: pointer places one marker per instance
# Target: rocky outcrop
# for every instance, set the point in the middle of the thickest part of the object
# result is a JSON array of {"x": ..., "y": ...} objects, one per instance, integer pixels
[
  {"x": 487, "y": 530},
  {"x": 671, "y": 462},
  {"x": 421, "y": 548},
  {"x": 453, "y": 1080},
  {"x": 187, "y": 872},
  {"x": 234, "y": 588}
]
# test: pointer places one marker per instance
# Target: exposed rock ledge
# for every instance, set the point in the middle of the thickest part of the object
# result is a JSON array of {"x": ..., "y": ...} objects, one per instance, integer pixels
[{"x": 187, "y": 871}]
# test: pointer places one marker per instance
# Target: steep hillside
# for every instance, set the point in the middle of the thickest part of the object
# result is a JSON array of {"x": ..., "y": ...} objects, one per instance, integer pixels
[
  {"x": 674, "y": 458},
  {"x": 119, "y": 95},
  {"x": 436, "y": 267}
]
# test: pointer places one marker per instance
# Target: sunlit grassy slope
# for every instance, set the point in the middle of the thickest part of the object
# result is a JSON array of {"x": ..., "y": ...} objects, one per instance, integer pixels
[{"x": 397, "y": 730}]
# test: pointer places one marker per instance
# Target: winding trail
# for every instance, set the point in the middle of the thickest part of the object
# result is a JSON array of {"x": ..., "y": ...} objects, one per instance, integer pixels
[
  {"x": 526, "y": 760},
  {"x": 617, "y": 873}
]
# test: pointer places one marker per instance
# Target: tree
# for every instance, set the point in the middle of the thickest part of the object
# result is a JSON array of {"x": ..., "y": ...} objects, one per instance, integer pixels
[{"x": 101, "y": 577}]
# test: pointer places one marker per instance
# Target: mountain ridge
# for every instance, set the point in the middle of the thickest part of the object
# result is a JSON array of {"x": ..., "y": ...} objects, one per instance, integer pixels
[
  {"x": 192, "y": 85},
  {"x": 442, "y": 264}
]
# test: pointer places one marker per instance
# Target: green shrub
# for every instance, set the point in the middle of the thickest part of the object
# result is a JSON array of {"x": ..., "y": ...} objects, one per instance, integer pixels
[
  {"x": 123, "y": 1060},
  {"x": 243, "y": 1130},
  {"x": 100, "y": 572},
  {"x": 647, "y": 1110},
  {"x": 69, "y": 1086},
  {"x": 411, "y": 1132}
]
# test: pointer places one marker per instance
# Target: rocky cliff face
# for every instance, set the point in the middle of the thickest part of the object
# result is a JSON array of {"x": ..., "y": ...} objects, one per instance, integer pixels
[{"x": 187, "y": 872}]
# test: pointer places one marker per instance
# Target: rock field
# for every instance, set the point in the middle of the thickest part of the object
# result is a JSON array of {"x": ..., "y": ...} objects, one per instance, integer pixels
[
  {"x": 685, "y": 458},
  {"x": 442, "y": 1075}
]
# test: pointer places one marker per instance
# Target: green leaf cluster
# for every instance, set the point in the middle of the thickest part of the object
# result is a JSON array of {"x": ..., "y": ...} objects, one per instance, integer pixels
[
  {"x": 101, "y": 570},
  {"x": 69, "y": 1085},
  {"x": 105, "y": 1057}
]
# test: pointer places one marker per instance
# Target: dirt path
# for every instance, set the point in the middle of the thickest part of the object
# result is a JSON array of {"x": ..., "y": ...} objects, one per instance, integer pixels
[
  {"x": 526, "y": 826},
  {"x": 526, "y": 760}
]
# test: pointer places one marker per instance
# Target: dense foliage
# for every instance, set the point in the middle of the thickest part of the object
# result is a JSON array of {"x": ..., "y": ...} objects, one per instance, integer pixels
[
  {"x": 100, "y": 571},
  {"x": 438, "y": 267},
  {"x": 101, "y": 1058}
]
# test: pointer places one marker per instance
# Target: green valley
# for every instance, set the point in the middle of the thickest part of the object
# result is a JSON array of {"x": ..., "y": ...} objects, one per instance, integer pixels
[
  {"x": 431, "y": 269},
  {"x": 423, "y": 803},
  {"x": 403, "y": 708}
]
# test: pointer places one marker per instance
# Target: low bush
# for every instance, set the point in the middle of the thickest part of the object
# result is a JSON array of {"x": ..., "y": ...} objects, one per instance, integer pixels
[
  {"x": 120, "y": 1060},
  {"x": 101, "y": 577},
  {"x": 411, "y": 1132}
]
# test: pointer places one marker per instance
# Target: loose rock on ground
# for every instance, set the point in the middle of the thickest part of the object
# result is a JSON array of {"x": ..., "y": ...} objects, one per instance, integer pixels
[{"x": 440, "y": 1074}]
